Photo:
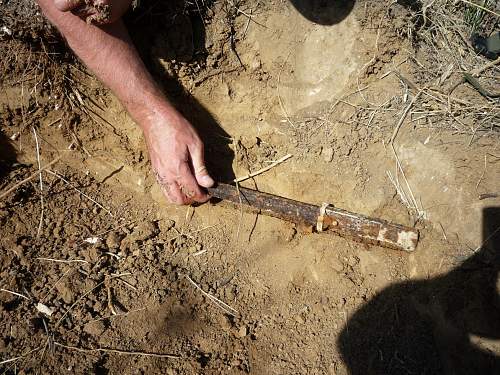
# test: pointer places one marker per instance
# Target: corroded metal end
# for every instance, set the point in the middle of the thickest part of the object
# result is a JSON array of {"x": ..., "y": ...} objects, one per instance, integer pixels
[
  {"x": 408, "y": 240},
  {"x": 402, "y": 238},
  {"x": 370, "y": 230}
]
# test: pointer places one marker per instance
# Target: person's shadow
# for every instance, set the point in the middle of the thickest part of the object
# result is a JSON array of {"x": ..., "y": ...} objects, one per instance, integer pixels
[
  {"x": 444, "y": 325},
  {"x": 324, "y": 12},
  {"x": 415, "y": 327}
]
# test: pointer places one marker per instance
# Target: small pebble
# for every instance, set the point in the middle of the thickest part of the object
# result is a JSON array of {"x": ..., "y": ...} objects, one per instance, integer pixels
[{"x": 327, "y": 153}]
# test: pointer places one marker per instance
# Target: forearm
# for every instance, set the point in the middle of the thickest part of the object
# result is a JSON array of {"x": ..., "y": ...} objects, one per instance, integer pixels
[
  {"x": 109, "y": 52},
  {"x": 175, "y": 150}
]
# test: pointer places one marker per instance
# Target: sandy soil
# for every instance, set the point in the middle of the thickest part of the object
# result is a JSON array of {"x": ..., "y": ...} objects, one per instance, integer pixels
[{"x": 129, "y": 279}]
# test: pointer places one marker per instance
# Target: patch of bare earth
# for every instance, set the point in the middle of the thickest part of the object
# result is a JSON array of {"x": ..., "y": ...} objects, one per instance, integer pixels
[{"x": 98, "y": 274}]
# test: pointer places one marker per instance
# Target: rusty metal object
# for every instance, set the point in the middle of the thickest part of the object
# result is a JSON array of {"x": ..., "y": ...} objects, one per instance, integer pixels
[{"x": 323, "y": 218}]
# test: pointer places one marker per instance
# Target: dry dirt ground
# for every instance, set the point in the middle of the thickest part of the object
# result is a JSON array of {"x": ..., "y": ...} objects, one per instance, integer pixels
[{"x": 100, "y": 275}]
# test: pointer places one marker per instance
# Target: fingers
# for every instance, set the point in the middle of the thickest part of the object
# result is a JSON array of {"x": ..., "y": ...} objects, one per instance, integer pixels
[
  {"x": 96, "y": 12},
  {"x": 170, "y": 189},
  {"x": 199, "y": 168},
  {"x": 189, "y": 185},
  {"x": 173, "y": 193},
  {"x": 67, "y": 5},
  {"x": 183, "y": 189},
  {"x": 182, "y": 176}
]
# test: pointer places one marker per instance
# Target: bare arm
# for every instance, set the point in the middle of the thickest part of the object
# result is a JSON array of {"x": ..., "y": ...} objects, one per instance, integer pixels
[{"x": 176, "y": 152}]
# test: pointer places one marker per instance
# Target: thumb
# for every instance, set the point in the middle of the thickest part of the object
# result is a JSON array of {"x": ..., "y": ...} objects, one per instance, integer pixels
[
  {"x": 199, "y": 168},
  {"x": 67, "y": 5}
]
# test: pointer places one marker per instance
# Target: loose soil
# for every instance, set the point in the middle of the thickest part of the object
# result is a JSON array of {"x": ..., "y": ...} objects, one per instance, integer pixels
[{"x": 128, "y": 278}]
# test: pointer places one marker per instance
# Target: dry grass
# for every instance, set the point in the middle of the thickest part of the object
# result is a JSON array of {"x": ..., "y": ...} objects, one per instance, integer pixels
[
  {"x": 46, "y": 77},
  {"x": 442, "y": 30},
  {"x": 440, "y": 53}
]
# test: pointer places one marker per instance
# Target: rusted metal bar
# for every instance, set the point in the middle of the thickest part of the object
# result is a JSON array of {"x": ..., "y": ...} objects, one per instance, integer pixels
[{"x": 323, "y": 218}]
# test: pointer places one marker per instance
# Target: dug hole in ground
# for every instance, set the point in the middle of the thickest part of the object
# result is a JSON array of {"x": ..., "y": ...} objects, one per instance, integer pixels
[{"x": 99, "y": 274}]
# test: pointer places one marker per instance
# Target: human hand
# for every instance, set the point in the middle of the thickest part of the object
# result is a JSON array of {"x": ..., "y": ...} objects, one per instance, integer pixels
[
  {"x": 177, "y": 158},
  {"x": 99, "y": 12}
]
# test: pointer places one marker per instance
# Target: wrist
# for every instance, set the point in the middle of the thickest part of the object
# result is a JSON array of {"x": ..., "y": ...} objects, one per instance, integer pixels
[{"x": 152, "y": 112}]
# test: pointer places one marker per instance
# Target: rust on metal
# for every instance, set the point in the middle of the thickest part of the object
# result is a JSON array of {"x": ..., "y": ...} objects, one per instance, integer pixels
[{"x": 327, "y": 217}]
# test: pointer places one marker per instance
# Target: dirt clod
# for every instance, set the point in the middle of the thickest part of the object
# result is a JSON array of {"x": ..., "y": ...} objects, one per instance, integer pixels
[
  {"x": 337, "y": 265},
  {"x": 95, "y": 328},
  {"x": 113, "y": 241},
  {"x": 327, "y": 154},
  {"x": 65, "y": 292},
  {"x": 144, "y": 231}
]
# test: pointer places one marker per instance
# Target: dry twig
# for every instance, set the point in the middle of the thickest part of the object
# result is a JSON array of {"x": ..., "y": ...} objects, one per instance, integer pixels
[
  {"x": 116, "y": 351},
  {"x": 63, "y": 261},
  {"x": 14, "y": 293},
  {"x": 79, "y": 191},
  {"x": 265, "y": 169},
  {"x": 249, "y": 16},
  {"x": 41, "y": 183},
  {"x": 403, "y": 117},
  {"x": 222, "y": 305},
  {"x": 282, "y": 105},
  {"x": 481, "y": 7},
  {"x": 405, "y": 194},
  {"x": 83, "y": 296},
  {"x": 29, "y": 178},
  {"x": 189, "y": 235},
  {"x": 20, "y": 357}
]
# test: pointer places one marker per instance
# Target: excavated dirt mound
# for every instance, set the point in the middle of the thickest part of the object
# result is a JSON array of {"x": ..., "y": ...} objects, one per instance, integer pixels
[{"x": 98, "y": 274}]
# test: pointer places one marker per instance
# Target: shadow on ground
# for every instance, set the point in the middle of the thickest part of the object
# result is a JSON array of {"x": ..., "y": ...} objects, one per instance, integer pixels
[
  {"x": 445, "y": 325},
  {"x": 324, "y": 12},
  {"x": 174, "y": 32},
  {"x": 7, "y": 157}
]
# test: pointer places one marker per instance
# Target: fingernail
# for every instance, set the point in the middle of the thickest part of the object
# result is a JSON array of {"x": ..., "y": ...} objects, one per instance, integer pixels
[{"x": 206, "y": 181}]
